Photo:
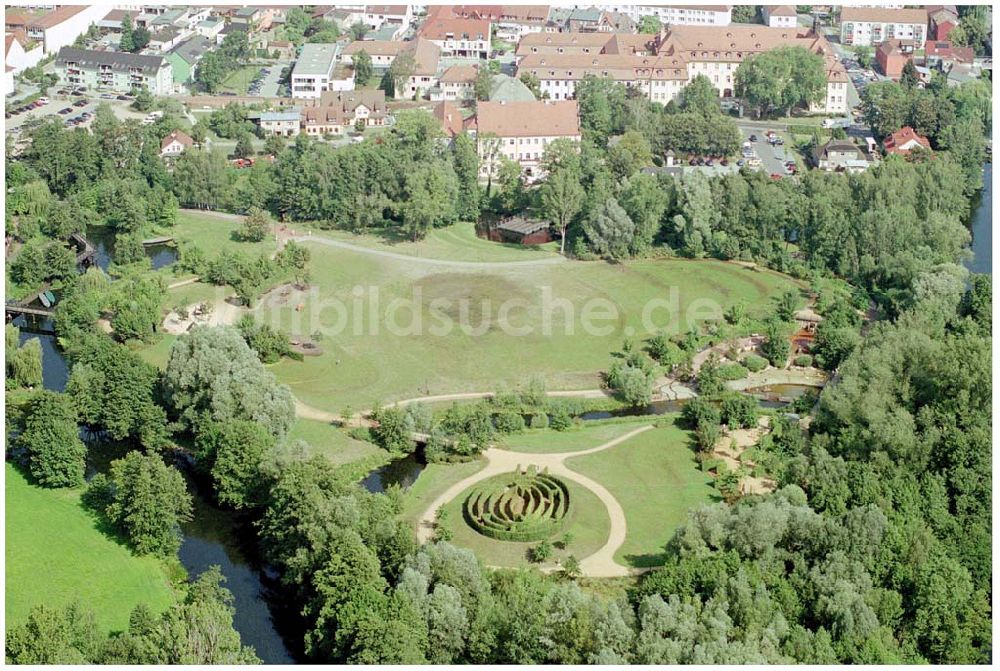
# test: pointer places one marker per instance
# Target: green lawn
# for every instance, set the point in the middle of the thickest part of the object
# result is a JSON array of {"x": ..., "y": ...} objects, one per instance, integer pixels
[
  {"x": 239, "y": 81},
  {"x": 457, "y": 242},
  {"x": 576, "y": 438},
  {"x": 55, "y": 554},
  {"x": 362, "y": 364},
  {"x": 213, "y": 233},
  {"x": 433, "y": 481},
  {"x": 588, "y": 521},
  {"x": 333, "y": 443},
  {"x": 656, "y": 480}
]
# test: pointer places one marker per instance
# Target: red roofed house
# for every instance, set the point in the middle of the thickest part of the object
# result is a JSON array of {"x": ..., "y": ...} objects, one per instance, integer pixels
[
  {"x": 456, "y": 83},
  {"x": 520, "y": 131},
  {"x": 941, "y": 19},
  {"x": 892, "y": 55},
  {"x": 458, "y": 36},
  {"x": 450, "y": 116},
  {"x": 943, "y": 53},
  {"x": 779, "y": 16},
  {"x": 904, "y": 141},
  {"x": 175, "y": 143}
]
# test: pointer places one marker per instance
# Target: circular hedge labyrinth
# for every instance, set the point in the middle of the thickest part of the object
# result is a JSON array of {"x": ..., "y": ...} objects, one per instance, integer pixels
[{"x": 520, "y": 506}]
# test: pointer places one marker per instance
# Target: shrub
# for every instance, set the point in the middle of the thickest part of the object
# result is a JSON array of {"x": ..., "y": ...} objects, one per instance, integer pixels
[
  {"x": 739, "y": 411},
  {"x": 803, "y": 360},
  {"x": 539, "y": 421},
  {"x": 509, "y": 421},
  {"x": 521, "y": 506},
  {"x": 559, "y": 419},
  {"x": 754, "y": 363},
  {"x": 732, "y": 371},
  {"x": 697, "y": 410}
]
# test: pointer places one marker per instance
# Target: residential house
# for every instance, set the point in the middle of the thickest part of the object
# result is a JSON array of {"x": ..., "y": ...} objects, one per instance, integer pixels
[
  {"x": 841, "y": 156},
  {"x": 342, "y": 17},
  {"x": 175, "y": 144},
  {"x": 510, "y": 22},
  {"x": 660, "y": 66},
  {"x": 892, "y": 55},
  {"x": 864, "y": 26},
  {"x": 904, "y": 141},
  {"x": 337, "y": 112},
  {"x": 166, "y": 39},
  {"x": 314, "y": 70},
  {"x": 115, "y": 71},
  {"x": 450, "y": 116},
  {"x": 779, "y": 16},
  {"x": 520, "y": 131},
  {"x": 468, "y": 38},
  {"x": 504, "y": 88},
  {"x": 258, "y": 19},
  {"x": 112, "y": 21},
  {"x": 382, "y": 53},
  {"x": 61, "y": 26},
  {"x": 377, "y": 15},
  {"x": 20, "y": 52},
  {"x": 210, "y": 27},
  {"x": 456, "y": 83},
  {"x": 281, "y": 48},
  {"x": 941, "y": 20},
  {"x": 680, "y": 15},
  {"x": 945, "y": 56},
  {"x": 285, "y": 123},
  {"x": 426, "y": 57},
  {"x": 184, "y": 58}
]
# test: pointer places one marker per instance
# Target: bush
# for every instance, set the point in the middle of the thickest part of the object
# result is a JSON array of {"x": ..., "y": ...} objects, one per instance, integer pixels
[
  {"x": 754, "y": 363},
  {"x": 732, "y": 371},
  {"x": 739, "y": 411},
  {"x": 698, "y": 410},
  {"x": 539, "y": 421},
  {"x": 541, "y": 501},
  {"x": 559, "y": 419},
  {"x": 509, "y": 421},
  {"x": 803, "y": 360}
]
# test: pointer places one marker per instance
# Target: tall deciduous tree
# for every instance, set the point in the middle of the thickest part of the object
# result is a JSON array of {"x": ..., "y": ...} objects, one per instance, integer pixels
[
  {"x": 561, "y": 198},
  {"x": 54, "y": 454},
  {"x": 781, "y": 79},
  {"x": 362, "y": 68}
]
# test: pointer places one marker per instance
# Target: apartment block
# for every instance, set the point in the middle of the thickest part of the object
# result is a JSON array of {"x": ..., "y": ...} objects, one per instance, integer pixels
[{"x": 114, "y": 71}]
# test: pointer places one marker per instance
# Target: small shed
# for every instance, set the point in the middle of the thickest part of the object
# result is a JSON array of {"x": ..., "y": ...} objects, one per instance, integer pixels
[{"x": 522, "y": 231}]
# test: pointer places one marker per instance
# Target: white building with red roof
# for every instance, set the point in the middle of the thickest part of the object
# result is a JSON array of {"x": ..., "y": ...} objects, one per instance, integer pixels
[
  {"x": 904, "y": 141},
  {"x": 520, "y": 131},
  {"x": 456, "y": 36}
]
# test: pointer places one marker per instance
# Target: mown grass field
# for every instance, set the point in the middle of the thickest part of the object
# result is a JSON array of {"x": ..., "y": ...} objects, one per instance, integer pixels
[
  {"x": 578, "y": 437},
  {"x": 55, "y": 555},
  {"x": 453, "y": 341},
  {"x": 656, "y": 480}
]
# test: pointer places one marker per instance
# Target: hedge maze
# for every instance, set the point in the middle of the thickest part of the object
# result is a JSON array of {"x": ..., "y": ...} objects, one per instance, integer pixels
[{"x": 521, "y": 506}]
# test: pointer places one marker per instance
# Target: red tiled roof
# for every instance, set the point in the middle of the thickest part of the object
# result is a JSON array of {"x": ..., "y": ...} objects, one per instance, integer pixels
[
  {"x": 179, "y": 136},
  {"x": 444, "y": 28},
  {"x": 894, "y": 143},
  {"x": 450, "y": 116},
  {"x": 538, "y": 118}
]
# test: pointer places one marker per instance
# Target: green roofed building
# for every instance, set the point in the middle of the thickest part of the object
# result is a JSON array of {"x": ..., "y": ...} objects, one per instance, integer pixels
[
  {"x": 507, "y": 89},
  {"x": 185, "y": 56}
]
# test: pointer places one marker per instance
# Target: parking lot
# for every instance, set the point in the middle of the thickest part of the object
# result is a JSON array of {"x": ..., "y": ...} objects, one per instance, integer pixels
[{"x": 772, "y": 157}]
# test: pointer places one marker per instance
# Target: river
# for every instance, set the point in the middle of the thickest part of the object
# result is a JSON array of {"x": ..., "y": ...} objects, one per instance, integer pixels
[
  {"x": 218, "y": 537},
  {"x": 982, "y": 226}
]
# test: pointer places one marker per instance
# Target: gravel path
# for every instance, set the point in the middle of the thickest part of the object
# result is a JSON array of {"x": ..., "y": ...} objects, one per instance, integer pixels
[{"x": 601, "y": 564}]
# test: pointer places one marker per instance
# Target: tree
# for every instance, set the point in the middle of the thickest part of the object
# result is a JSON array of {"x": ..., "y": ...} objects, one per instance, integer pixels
[
  {"x": 531, "y": 80},
  {"x": 143, "y": 100},
  {"x": 864, "y": 56},
  {"x": 483, "y": 84},
  {"x": 541, "y": 552},
  {"x": 148, "y": 501},
  {"x": 465, "y": 159},
  {"x": 610, "y": 231},
  {"x": 53, "y": 636},
  {"x": 909, "y": 78},
  {"x": 776, "y": 346},
  {"x": 745, "y": 13},
  {"x": 629, "y": 154},
  {"x": 211, "y": 373},
  {"x": 24, "y": 363},
  {"x": 700, "y": 97},
  {"x": 650, "y": 25},
  {"x": 127, "y": 42},
  {"x": 431, "y": 192},
  {"x": 645, "y": 201},
  {"x": 561, "y": 199},
  {"x": 234, "y": 454},
  {"x": 780, "y": 79},
  {"x": 256, "y": 225},
  {"x": 362, "y": 68},
  {"x": 358, "y": 31},
  {"x": 53, "y": 452},
  {"x": 244, "y": 146},
  {"x": 571, "y": 567},
  {"x": 398, "y": 74}
]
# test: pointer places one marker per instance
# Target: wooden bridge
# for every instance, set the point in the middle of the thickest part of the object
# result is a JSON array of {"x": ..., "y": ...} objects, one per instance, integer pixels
[
  {"x": 32, "y": 310},
  {"x": 87, "y": 249},
  {"x": 162, "y": 240}
]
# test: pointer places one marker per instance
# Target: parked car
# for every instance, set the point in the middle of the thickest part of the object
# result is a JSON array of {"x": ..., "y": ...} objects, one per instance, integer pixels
[
  {"x": 108, "y": 96},
  {"x": 7, "y": 115},
  {"x": 724, "y": 161},
  {"x": 66, "y": 110},
  {"x": 709, "y": 162},
  {"x": 741, "y": 162},
  {"x": 775, "y": 176},
  {"x": 82, "y": 102},
  {"x": 753, "y": 138}
]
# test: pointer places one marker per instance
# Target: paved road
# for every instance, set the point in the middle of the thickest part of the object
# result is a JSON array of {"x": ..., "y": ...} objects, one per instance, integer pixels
[
  {"x": 269, "y": 87},
  {"x": 601, "y": 564},
  {"x": 772, "y": 158}
]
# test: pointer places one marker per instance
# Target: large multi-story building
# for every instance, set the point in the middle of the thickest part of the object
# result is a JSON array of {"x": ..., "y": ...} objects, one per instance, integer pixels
[
  {"x": 468, "y": 38},
  {"x": 679, "y": 15},
  {"x": 660, "y": 66},
  {"x": 114, "y": 71},
  {"x": 864, "y": 26},
  {"x": 313, "y": 72},
  {"x": 510, "y": 22},
  {"x": 336, "y": 112},
  {"x": 58, "y": 28},
  {"x": 377, "y": 15},
  {"x": 520, "y": 131}
]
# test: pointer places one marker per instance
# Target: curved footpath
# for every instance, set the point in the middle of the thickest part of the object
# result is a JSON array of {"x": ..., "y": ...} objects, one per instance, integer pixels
[
  {"x": 465, "y": 265},
  {"x": 600, "y": 564}
]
